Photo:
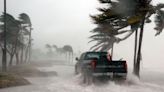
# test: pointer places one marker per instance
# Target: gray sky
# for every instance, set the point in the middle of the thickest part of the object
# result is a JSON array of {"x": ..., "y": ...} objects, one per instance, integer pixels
[
  {"x": 63, "y": 22},
  {"x": 57, "y": 22}
]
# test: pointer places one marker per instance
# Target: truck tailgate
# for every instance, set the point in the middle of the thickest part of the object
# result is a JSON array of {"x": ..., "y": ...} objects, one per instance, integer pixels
[{"x": 111, "y": 66}]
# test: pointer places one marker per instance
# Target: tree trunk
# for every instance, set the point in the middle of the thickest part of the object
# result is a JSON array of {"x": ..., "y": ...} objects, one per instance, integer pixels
[
  {"x": 69, "y": 55},
  {"x": 22, "y": 54},
  {"x": 29, "y": 52},
  {"x": 72, "y": 57},
  {"x": 4, "y": 61},
  {"x": 30, "y": 45},
  {"x": 11, "y": 60},
  {"x": 112, "y": 51},
  {"x": 137, "y": 73},
  {"x": 17, "y": 58},
  {"x": 135, "y": 51},
  {"x": 26, "y": 54},
  {"x": 66, "y": 56},
  {"x": 4, "y": 52}
]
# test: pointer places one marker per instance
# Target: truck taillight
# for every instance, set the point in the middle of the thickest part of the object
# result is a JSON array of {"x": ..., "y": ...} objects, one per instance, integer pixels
[
  {"x": 125, "y": 65},
  {"x": 93, "y": 64}
]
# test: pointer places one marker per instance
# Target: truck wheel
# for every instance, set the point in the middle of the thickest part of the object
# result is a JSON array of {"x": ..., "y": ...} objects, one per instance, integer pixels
[
  {"x": 76, "y": 71},
  {"x": 88, "y": 79},
  {"x": 84, "y": 78}
]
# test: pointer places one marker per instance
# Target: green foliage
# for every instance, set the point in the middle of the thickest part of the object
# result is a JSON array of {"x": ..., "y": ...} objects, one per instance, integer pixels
[
  {"x": 105, "y": 1},
  {"x": 17, "y": 35},
  {"x": 120, "y": 14},
  {"x": 13, "y": 28},
  {"x": 25, "y": 19},
  {"x": 159, "y": 20}
]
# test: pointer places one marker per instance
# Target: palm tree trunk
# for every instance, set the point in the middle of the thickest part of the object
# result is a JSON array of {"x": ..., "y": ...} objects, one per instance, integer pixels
[
  {"x": 30, "y": 45},
  {"x": 112, "y": 51},
  {"x": 4, "y": 54},
  {"x": 4, "y": 61},
  {"x": 22, "y": 54},
  {"x": 72, "y": 57},
  {"x": 11, "y": 59},
  {"x": 17, "y": 58},
  {"x": 135, "y": 51},
  {"x": 26, "y": 54},
  {"x": 137, "y": 73},
  {"x": 69, "y": 54}
]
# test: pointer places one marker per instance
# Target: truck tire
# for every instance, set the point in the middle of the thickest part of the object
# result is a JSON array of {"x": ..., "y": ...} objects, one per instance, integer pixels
[
  {"x": 84, "y": 78},
  {"x": 76, "y": 72},
  {"x": 87, "y": 78}
]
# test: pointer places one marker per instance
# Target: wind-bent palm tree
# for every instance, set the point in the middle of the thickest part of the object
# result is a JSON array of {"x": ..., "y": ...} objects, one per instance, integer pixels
[
  {"x": 134, "y": 13},
  {"x": 105, "y": 38},
  {"x": 27, "y": 28},
  {"x": 58, "y": 50},
  {"x": 15, "y": 33},
  {"x": 13, "y": 29},
  {"x": 49, "y": 47},
  {"x": 68, "y": 49}
]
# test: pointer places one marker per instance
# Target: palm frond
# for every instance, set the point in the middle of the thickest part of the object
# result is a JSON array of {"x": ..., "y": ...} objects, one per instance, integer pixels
[
  {"x": 104, "y": 39},
  {"x": 105, "y": 1},
  {"x": 128, "y": 35},
  {"x": 24, "y": 18},
  {"x": 159, "y": 20},
  {"x": 97, "y": 35},
  {"x": 159, "y": 6},
  {"x": 96, "y": 30},
  {"x": 97, "y": 46},
  {"x": 106, "y": 47},
  {"x": 102, "y": 9}
]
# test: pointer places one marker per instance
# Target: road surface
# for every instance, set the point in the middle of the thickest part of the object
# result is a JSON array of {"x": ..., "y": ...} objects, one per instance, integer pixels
[{"x": 66, "y": 81}]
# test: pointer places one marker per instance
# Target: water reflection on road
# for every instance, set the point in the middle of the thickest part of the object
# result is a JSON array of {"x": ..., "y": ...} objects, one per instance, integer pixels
[{"x": 66, "y": 81}]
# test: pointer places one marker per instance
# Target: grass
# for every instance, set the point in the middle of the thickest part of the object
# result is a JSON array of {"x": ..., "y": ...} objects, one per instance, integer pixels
[
  {"x": 15, "y": 75},
  {"x": 10, "y": 80}
]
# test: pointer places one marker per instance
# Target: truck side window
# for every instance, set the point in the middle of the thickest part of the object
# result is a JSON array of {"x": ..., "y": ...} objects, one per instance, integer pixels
[{"x": 82, "y": 56}]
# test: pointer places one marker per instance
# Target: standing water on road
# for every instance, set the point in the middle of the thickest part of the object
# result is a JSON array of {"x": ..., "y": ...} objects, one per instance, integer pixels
[{"x": 67, "y": 81}]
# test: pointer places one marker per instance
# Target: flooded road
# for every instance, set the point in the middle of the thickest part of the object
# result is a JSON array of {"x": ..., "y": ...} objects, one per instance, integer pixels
[{"x": 66, "y": 81}]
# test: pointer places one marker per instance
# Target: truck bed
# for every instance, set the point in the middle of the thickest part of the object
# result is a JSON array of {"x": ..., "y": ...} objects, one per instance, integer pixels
[
  {"x": 109, "y": 68},
  {"x": 112, "y": 66}
]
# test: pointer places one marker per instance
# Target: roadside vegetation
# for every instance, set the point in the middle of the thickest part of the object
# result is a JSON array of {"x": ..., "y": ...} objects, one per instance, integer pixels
[
  {"x": 18, "y": 38},
  {"x": 10, "y": 80},
  {"x": 18, "y": 46}
]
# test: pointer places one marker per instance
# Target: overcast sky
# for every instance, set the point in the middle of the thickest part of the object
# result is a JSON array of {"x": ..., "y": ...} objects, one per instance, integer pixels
[
  {"x": 64, "y": 22},
  {"x": 57, "y": 22}
]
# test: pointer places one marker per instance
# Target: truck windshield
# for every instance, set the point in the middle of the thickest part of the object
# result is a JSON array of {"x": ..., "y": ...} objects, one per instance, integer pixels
[{"x": 94, "y": 55}]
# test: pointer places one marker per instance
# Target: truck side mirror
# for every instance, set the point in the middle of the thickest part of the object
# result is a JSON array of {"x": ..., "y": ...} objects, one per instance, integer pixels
[{"x": 77, "y": 59}]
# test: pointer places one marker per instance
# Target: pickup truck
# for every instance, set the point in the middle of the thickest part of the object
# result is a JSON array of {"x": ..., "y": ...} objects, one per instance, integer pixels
[{"x": 98, "y": 64}]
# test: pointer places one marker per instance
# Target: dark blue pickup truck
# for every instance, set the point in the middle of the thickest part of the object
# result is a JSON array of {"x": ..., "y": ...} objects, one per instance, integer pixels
[{"x": 97, "y": 64}]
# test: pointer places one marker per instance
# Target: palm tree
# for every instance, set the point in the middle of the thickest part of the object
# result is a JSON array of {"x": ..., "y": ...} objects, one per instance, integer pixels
[
  {"x": 4, "y": 55},
  {"x": 49, "y": 47},
  {"x": 106, "y": 36},
  {"x": 27, "y": 28},
  {"x": 55, "y": 47},
  {"x": 134, "y": 13},
  {"x": 68, "y": 49},
  {"x": 12, "y": 35}
]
